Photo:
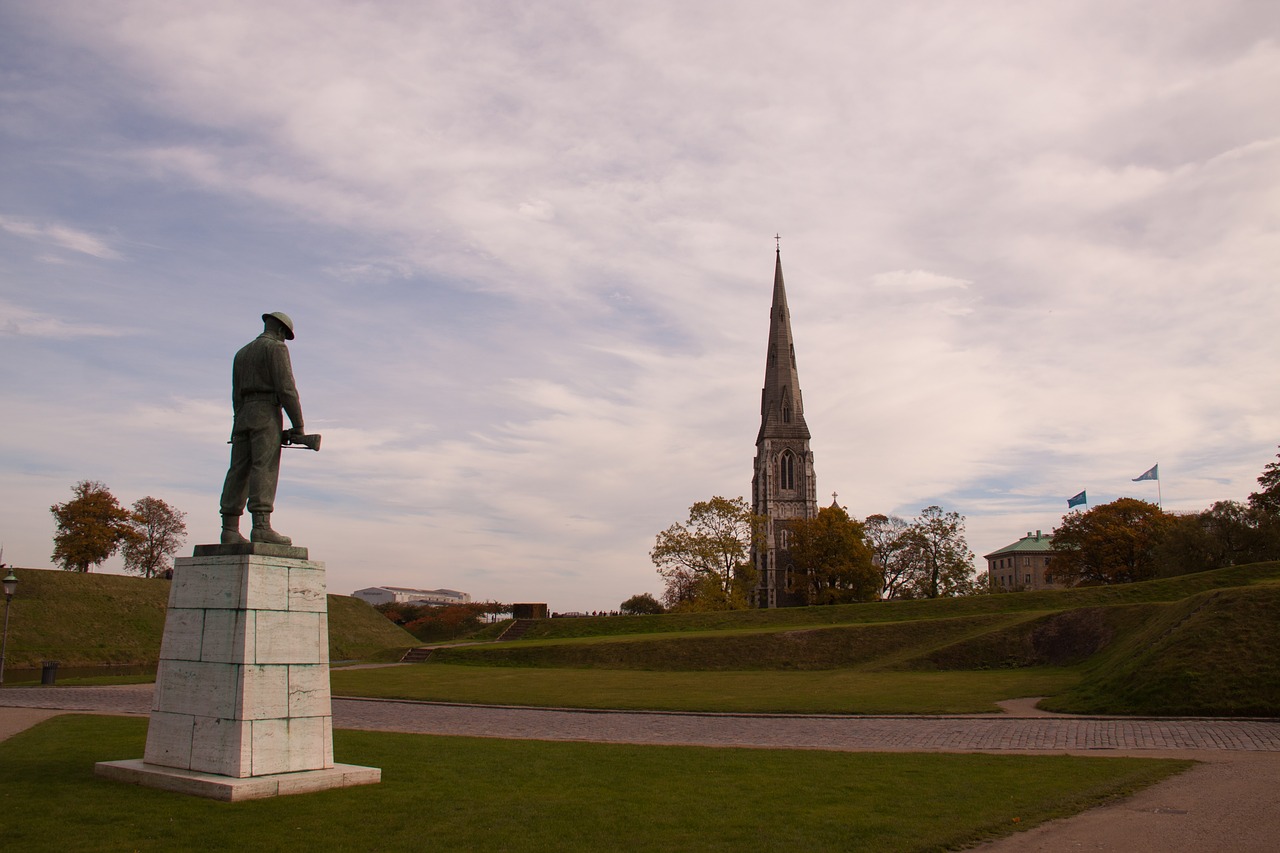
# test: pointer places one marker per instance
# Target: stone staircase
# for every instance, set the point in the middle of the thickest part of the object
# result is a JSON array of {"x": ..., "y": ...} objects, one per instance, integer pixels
[
  {"x": 516, "y": 629},
  {"x": 419, "y": 655}
]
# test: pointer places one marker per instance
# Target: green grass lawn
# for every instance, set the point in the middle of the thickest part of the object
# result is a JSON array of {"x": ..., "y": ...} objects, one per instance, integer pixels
[
  {"x": 465, "y": 794},
  {"x": 826, "y": 691}
]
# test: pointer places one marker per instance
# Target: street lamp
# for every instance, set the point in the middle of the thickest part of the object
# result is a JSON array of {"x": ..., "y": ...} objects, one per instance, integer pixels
[{"x": 10, "y": 583}]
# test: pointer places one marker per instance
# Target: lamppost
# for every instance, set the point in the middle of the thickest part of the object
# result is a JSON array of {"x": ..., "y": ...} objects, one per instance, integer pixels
[{"x": 10, "y": 583}]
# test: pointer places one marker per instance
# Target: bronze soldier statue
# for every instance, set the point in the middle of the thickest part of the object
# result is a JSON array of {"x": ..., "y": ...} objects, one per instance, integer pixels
[{"x": 261, "y": 385}]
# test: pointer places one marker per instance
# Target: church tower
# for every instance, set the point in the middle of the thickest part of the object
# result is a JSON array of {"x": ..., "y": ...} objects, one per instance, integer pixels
[{"x": 783, "y": 487}]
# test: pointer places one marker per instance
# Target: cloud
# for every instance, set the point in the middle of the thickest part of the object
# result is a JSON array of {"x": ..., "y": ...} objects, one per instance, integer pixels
[
  {"x": 531, "y": 263},
  {"x": 61, "y": 236},
  {"x": 20, "y": 322}
]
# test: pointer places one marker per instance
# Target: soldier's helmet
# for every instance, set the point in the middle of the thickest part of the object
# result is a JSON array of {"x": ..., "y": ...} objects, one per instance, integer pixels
[{"x": 284, "y": 321}]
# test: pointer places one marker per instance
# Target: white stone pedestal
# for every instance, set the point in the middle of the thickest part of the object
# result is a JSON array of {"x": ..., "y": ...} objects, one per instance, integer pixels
[{"x": 242, "y": 690}]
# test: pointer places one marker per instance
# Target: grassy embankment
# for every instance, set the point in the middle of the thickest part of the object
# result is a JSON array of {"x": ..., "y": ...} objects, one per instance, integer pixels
[
  {"x": 97, "y": 619},
  {"x": 1195, "y": 644},
  {"x": 488, "y": 794}
]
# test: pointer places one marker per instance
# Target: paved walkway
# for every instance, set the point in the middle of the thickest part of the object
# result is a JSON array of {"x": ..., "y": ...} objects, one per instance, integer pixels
[
  {"x": 1229, "y": 802},
  {"x": 987, "y": 733}
]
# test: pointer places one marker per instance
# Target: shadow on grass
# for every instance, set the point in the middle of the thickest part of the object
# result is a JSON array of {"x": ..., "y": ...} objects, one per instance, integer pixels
[{"x": 484, "y": 794}]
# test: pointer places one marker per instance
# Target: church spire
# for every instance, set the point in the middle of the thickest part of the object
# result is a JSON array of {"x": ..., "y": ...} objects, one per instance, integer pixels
[
  {"x": 783, "y": 488},
  {"x": 781, "y": 405}
]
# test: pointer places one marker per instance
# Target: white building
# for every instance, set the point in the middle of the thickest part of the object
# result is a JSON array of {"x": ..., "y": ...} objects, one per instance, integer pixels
[{"x": 376, "y": 595}]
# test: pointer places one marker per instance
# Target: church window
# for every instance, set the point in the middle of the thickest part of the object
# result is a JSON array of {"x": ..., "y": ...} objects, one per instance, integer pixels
[
  {"x": 773, "y": 355},
  {"x": 787, "y": 470},
  {"x": 784, "y": 540},
  {"x": 793, "y": 355}
]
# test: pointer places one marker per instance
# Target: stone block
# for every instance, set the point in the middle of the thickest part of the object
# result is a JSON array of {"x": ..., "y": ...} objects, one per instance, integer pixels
[
  {"x": 284, "y": 637},
  {"x": 197, "y": 688},
  {"x": 203, "y": 584},
  {"x": 309, "y": 691},
  {"x": 307, "y": 590},
  {"x": 183, "y": 634},
  {"x": 222, "y": 746},
  {"x": 306, "y": 743},
  {"x": 266, "y": 584},
  {"x": 293, "y": 553},
  {"x": 227, "y": 636},
  {"x": 234, "y": 790},
  {"x": 169, "y": 739},
  {"x": 265, "y": 693}
]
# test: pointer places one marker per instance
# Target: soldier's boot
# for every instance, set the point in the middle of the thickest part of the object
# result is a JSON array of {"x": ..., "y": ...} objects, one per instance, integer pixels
[
  {"x": 263, "y": 533},
  {"x": 231, "y": 531}
]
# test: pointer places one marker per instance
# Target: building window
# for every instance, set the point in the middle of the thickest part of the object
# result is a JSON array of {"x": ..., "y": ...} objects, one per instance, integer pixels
[
  {"x": 787, "y": 470},
  {"x": 783, "y": 539},
  {"x": 1026, "y": 561},
  {"x": 1028, "y": 580}
]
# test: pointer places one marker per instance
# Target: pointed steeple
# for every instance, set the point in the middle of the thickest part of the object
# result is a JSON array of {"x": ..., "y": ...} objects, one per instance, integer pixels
[
  {"x": 781, "y": 405},
  {"x": 783, "y": 488}
]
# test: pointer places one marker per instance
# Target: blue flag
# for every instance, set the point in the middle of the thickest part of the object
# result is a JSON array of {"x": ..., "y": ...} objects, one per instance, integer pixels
[
  {"x": 1077, "y": 500},
  {"x": 1152, "y": 474}
]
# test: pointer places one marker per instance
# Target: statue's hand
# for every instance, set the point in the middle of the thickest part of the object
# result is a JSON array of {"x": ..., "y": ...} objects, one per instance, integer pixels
[{"x": 297, "y": 431}]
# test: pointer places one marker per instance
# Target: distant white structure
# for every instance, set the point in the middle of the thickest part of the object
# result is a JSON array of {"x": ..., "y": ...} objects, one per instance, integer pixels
[{"x": 376, "y": 595}]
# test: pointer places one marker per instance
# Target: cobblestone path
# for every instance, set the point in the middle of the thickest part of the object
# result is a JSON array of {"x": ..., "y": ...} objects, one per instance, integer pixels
[{"x": 913, "y": 734}]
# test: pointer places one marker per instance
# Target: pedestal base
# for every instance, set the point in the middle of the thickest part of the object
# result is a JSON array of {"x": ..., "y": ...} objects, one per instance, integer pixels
[
  {"x": 230, "y": 789},
  {"x": 241, "y": 708}
]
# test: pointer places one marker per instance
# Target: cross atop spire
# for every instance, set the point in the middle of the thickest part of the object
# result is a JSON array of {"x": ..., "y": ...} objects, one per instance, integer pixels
[{"x": 778, "y": 239}]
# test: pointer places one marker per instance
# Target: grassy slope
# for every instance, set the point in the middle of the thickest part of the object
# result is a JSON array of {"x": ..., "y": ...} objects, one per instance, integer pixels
[
  {"x": 89, "y": 619},
  {"x": 1196, "y": 644},
  {"x": 1163, "y": 590},
  {"x": 1213, "y": 654}
]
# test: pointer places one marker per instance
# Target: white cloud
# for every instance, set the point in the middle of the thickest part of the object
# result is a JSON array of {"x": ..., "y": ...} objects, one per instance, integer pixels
[
  {"x": 60, "y": 235},
  {"x": 17, "y": 321},
  {"x": 529, "y": 250}
]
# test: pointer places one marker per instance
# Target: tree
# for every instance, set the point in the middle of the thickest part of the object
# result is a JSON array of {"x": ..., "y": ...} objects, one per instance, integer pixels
[
  {"x": 939, "y": 562},
  {"x": 642, "y": 604},
  {"x": 706, "y": 561},
  {"x": 1111, "y": 543},
  {"x": 158, "y": 531},
  {"x": 831, "y": 561},
  {"x": 89, "y": 527},
  {"x": 437, "y": 622},
  {"x": 885, "y": 536},
  {"x": 1267, "y": 499}
]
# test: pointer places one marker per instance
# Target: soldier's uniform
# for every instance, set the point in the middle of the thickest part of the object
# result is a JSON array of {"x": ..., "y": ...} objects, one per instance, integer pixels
[{"x": 261, "y": 385}]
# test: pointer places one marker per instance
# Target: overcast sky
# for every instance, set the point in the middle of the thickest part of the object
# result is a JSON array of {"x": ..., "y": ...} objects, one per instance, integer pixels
[{"x": 1030, "y": 249}]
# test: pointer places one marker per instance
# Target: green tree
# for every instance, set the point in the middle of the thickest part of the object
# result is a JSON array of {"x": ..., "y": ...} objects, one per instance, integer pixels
[
  {"x": 885, "y": 535},
  {"x": 939, "y": 562},
  {"x": 89, "y": 527},
  {"x": 1267, "y": 499},
  {"x": 831, "y": 563},
  {"x": 705, "y": 561},
  {"x": 1115, "y": 542},
  {"x": 158, "y": 531},
  {"x": 642, "y": 604}
]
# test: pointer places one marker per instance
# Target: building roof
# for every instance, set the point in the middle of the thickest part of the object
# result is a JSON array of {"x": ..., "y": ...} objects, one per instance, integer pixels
[
  {"x": 412, "y": 590},
  {"x": 1032, "y": 543}
]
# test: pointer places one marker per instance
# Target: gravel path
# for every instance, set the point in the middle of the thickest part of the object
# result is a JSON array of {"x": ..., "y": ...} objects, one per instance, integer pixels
[
  {"x": 1010, "y": 733},
  {"x": 1229, "y": 802}
]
